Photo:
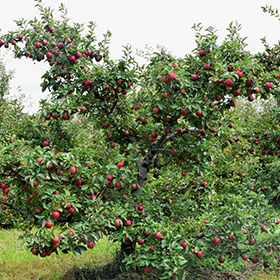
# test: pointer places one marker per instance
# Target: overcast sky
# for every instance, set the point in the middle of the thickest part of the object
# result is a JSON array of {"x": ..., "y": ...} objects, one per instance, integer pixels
[{"x": 141, "y": 22}]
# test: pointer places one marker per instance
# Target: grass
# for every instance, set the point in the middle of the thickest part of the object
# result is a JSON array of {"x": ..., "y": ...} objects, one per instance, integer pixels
[{"x": 17, "y": 263}]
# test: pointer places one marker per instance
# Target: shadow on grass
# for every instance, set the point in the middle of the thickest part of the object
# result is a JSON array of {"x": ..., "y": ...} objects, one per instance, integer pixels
[{"x": 113, "y": 271}]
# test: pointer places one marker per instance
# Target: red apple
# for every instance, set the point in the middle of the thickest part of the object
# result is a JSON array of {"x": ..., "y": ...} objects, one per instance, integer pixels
[
  {"x": 90, "y": 245},
  {"x": 55, "y": 214},
  {"x": 46, "y": 143},
  {"x": 158, "y": 235},
  {"x": 194, "y": 77},
  {"x": 72, "y": 170},
  {"x": 184, "y": 244},
  {"x": 206, "y": 66},
  {"x": 110, "y": 177},
  {"x": 201, "y": 53},
  {"x": 228, "y": 82},
  {"x": 230, "y": 237},
  {"x": 245, "y": 257},
  {"x": 172, "y": 76},
  {"x": 147, "y": 269},
  {"x": 48, "y": 224},
  {"x": 117, "y": 223},
  {"x": 141, "y": 242}
]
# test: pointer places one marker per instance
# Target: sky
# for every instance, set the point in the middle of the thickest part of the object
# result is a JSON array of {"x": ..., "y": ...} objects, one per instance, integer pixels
[{"x": 139, "y": 23}]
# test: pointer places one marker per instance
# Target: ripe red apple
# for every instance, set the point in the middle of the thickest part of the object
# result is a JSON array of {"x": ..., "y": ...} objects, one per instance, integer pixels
[
  {"x": 49, "y": 55},
  {"x": 120, "y": 164},
  {"x": 254, "y": 260},
  {"x": 252, "y": 242},
  {"x": 263, "y": 228},
  {"x": 25, "y": 188},
  {"x": 90, "y": 245},
  {"x": 230, "y": 237},
  {"x": 127, "y": 223},
  {"x": 147, "y": 269},
  {"x": 172, "y": 76},
  {"x": 117, "y": 223},
  {"x": 184, "y": 244},
  {"x": 221, "y": 260},
  {"x": 228, "y": 83},
  {"x": 194, "y": 77},
  {"x": 144, "y": 120},
  {"x": 37, "y": 45},
  {"x": 72, "y": 170},
  {"x": 3, "y": 186},
  {"x": 216, "y": 240},
  {"x": 156, "y": 110},
  {"x": 55, "y": 240},
  {"x": 55, "y": 214},
  {"x": 118, "y": 185},
  {"x": 46, "y": 143},
  {"x": 141, "y": 242},
  {"x": 43, "y": 254},
  {"x": 249, "y": 82},
  {"x": 236, "y": 92},
  {"x": 158, "y": 235},
  {"x": 198, "y": 113},
  {"x": 48, "y": 224},
  {"x": 201, "y": 53},
  {"x": 199, "y": 254},
  {"x": 184, "y": 112},
  {"x": 72, "y": 211},
  {"x": 251, "y": 98},
  {"x": 72, "y": 58},
  {"x": 166, "y": 80},
  {"x": 245, "y": 257},
  {"x": 267, "y": 85},
  {"x": 206, "y": 66},
  {"x": 140, "y": 207},
  {"x": 60, "y": 46},
  {"x": 110, "y": 177}
]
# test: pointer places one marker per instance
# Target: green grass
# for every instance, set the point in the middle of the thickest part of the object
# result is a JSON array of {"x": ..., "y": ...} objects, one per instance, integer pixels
[{"x": 17, "y": 263}]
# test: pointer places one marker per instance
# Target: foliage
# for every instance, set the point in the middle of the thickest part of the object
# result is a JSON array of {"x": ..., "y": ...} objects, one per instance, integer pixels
[{"x": 159, "y": 157}]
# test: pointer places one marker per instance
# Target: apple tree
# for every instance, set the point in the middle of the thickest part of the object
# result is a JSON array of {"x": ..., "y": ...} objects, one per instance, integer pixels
[{"x": 147, "y": 182}]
